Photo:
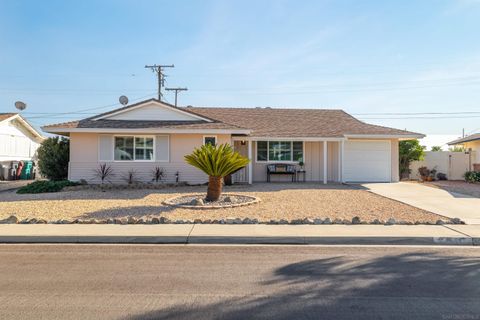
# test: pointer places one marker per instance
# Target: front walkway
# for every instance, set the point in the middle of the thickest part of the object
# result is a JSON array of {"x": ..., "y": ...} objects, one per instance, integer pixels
[{"x": 442, "y": 202}]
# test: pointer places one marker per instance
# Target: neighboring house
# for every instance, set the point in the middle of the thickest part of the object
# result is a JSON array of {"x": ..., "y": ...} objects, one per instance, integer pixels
[
  {"x": 18, "y": 140},
  {"x": 472, "y": 144},
  {"x": 333, "y": 145}
]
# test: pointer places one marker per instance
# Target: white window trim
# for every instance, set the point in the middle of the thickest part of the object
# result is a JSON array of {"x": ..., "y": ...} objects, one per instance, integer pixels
[
  {"x": 279, "y": 161},
  {"x": 209, "y": 136},
  {"x": 136, "y": 136}
]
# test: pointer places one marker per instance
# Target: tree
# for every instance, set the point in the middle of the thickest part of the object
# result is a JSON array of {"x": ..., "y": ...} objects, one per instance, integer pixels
[
  {"x": 409, "y": 150},
  {"x": 457, "y": 149},
  {"x": 217, "y": 162},
  {"x": 53, "y": 156},
  {"x": 436, "y": 148}
]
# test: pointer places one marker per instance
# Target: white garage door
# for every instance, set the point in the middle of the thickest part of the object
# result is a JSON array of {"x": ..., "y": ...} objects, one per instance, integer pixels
[{"x": 367, "y": 161}]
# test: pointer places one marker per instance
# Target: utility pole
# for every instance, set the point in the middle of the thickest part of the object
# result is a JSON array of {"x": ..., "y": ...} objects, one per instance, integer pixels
[
  {"x": 176, "y": 92},
  {"x": 158, "y": 69}
]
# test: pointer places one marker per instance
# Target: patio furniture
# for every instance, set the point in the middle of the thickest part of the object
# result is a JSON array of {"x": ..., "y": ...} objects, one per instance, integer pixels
[
  {"x": 300, "y": 172},
  {"x": 281, "y": 168}
]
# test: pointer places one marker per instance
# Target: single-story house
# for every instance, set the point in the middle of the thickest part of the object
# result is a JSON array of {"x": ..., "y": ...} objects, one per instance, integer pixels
[
  {"x": 472, "y": 144},
  {"x": 18, "y": 141},
  {"x": 333, "y": 145}
]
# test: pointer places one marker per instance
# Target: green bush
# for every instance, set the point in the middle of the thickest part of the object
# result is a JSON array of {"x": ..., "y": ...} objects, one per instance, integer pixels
[
  {"x": 46, "y": 186},
  {"x": 472, "y": 176},
  {"x": 53, "y": 157}
]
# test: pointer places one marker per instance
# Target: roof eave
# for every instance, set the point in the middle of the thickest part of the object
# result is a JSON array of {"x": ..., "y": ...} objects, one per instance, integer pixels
[
  {"x": 406, "y": 136},
  {"x": 144, "y": 130}
]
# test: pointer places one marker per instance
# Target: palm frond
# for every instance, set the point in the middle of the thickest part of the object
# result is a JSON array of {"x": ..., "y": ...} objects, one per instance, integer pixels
[{"x": 216, "y": 161}]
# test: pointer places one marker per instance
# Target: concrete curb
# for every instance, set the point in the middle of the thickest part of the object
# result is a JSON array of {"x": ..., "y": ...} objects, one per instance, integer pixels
[{"x": 241, "y": 234}]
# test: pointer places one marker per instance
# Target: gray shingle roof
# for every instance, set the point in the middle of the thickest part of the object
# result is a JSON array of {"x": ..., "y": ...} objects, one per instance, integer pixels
[
  {"x": 264, "y": 122},
  {"x": 472, "y": 137},
  {"x": 4, "y": 116},
  {"x": 277, "y": 122}
]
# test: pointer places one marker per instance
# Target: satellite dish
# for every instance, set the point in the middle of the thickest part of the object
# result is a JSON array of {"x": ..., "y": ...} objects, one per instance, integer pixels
[
  {"x": 20, "y": 105},
  {"x": 123, "y": 100}
]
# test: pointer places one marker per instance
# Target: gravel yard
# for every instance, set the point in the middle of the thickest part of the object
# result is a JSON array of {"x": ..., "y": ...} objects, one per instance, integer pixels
[
  {"x": 278, "y": 201},
  {"x": 472, "y": 189}
]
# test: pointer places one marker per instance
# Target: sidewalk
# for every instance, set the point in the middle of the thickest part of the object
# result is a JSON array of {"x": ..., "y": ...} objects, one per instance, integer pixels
[{"x": 242, "y": 234}]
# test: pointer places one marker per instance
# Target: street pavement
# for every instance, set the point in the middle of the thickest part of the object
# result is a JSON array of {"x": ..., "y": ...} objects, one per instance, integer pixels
[{"x": 238, "y": 282}]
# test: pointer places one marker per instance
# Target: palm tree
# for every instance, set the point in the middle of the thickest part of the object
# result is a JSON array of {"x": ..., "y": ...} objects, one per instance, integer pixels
[{"x": 218, "y": 162}]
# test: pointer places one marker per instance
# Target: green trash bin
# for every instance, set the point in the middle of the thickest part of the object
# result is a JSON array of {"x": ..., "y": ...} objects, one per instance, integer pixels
[{"x": 26, "y": 170}]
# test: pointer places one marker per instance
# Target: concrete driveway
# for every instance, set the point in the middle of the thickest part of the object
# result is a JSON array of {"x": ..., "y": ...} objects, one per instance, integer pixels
[{"x": 449, "y": 204}]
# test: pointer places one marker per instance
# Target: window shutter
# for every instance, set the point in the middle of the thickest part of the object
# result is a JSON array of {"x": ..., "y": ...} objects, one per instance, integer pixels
[
  {"x": 105, "y": 147},
  {"x": 162, "y": 148}
]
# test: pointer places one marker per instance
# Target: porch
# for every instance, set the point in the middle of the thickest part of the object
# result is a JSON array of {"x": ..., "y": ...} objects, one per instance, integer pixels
[{"x": 322, "y": 159}]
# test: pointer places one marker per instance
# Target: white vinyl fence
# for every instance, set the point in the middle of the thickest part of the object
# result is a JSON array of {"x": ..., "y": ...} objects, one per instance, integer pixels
[{"x": 453, "y": 164}]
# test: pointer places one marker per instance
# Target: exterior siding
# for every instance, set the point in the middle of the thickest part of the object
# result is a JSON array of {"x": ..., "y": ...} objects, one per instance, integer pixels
[
  {"x": 16, "y": 143},
  {"x": 84, "y": 151},
  {"x": 313, "y": 163}
]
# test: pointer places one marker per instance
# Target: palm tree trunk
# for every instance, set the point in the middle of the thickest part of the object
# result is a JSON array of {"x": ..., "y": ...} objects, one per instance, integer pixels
[{"x": 214, "y": 188}]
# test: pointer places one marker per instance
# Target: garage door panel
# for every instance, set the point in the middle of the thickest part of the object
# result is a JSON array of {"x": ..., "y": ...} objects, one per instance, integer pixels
[{"x": 367, "y": 161}]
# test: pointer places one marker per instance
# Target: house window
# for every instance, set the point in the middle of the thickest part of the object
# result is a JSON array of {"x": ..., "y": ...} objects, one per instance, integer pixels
[
  {"x": 279, "y": 151},
  {"x": 262, "y": 151},
  {"x": 297, "y": 151},
  {"x": 133, "y": 148},
  {"x": 210, "y": 140}
]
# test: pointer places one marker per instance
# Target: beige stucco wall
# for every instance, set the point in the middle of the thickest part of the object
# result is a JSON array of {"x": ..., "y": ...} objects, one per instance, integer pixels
[
  {"x": 84, "y": 159},
  {"x": 313, "y": 159},
  {"x": 475, "y": 146}
]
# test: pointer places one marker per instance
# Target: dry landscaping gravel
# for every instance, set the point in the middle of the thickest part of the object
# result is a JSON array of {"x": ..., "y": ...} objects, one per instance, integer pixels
[
  {"x": 462, "y": 187},
  {"x": 278, "y": 201}
]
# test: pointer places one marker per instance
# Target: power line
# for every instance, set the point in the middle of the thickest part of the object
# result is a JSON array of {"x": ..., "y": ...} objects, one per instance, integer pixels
[
  {"x": 58, "y": 115},
  {"x": 414, "y": 113},
  {"x": 158, "y": 69},
  {"x": 176, "y": 92},
  {"x": 413, "y": 117}
]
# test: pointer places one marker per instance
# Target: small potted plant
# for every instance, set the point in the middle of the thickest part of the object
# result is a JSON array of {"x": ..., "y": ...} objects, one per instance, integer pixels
[
  {"x": 301, "y": 164},
  {"x": 424, "y": 173}
]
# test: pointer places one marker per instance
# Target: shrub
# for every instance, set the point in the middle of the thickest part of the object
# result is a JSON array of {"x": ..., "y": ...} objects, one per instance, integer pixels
[
  {"x": 46, "y": 186},
  {"x": 53, "y": 156},
  {"x": 131, "y": 176},
  {"x": 409, "y": 150},
  {"x": 441, "y": 176},
  {"x": 104, "y": 172},
  {"x": 157, "y": 174},
  {"x": 472, "y": 176}
]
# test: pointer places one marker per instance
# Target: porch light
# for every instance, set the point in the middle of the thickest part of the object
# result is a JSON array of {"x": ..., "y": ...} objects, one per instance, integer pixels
[{"x": 243, "y": 142}]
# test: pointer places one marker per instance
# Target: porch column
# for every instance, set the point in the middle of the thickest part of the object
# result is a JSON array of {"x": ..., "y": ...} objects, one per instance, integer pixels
[
  {"x": 342, "y": 161},
  {"x": 325, "y": 162},
  {"x": 339, "y": 161},
  {"x": 250, "y": 164}
]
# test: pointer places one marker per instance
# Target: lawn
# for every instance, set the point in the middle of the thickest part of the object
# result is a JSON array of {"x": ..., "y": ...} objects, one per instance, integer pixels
[{"x": 278, "y": 201}]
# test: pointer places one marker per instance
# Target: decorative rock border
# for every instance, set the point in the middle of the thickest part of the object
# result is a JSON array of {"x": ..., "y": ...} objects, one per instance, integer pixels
[
  {"x": 196, "y": 201},
  {"x": 163, "y": 220}
]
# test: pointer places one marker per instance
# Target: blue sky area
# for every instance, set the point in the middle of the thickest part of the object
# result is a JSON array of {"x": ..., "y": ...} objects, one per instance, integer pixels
[{"x": 376, "y": 59}]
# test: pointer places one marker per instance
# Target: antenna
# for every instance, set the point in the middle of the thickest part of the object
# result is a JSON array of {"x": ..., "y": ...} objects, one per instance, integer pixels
[
  {"x": 176, "y": 92},
  {"x": 20, "y": 105},
  {"x": 123, "y": 100},
  {"x": 158, "y": 69}
]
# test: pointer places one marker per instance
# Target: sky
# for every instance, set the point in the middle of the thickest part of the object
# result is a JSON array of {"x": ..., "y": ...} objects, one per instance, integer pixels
[{"x": 411, "y": 65}]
